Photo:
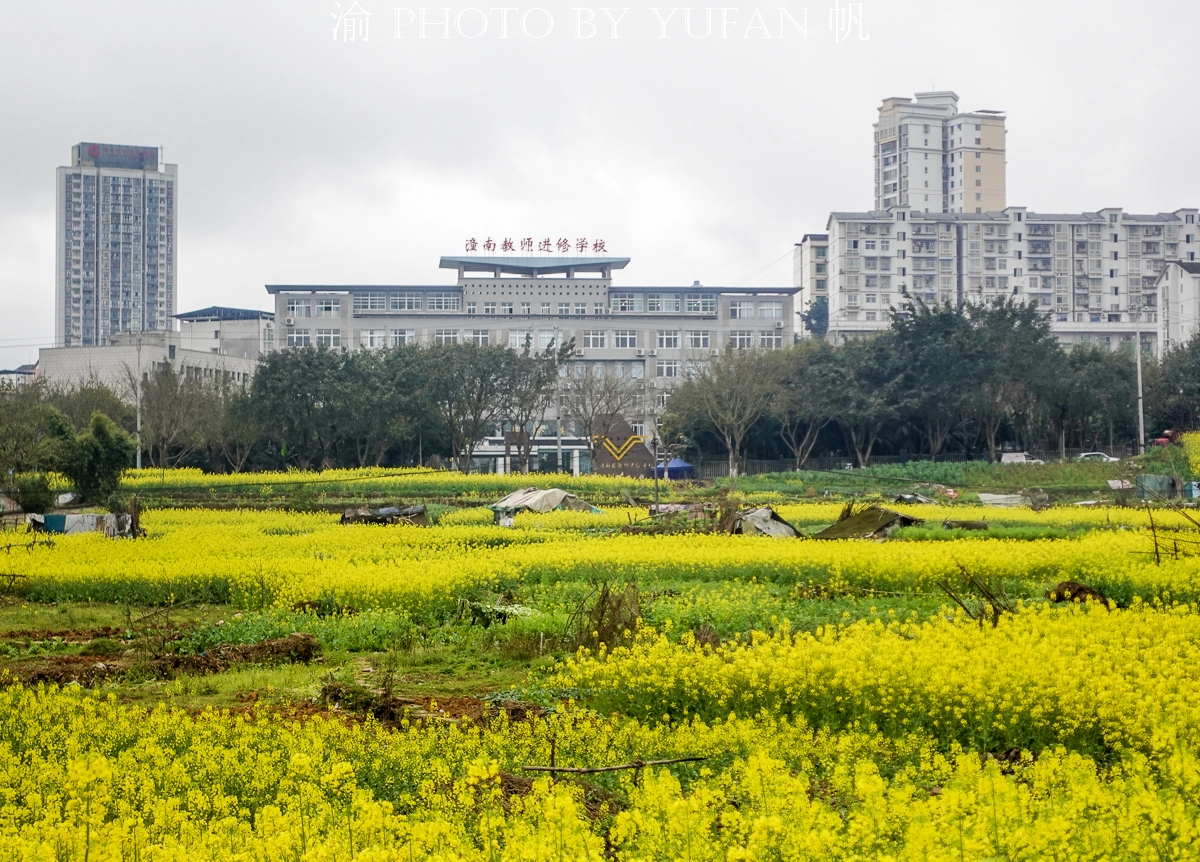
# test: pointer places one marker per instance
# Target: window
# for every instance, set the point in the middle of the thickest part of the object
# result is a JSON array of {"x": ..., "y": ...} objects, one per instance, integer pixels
[
  {"x": 626, "y": 301},
  {"x": 545, "y": 308},
  {"x": 594, "y": 338},
  {"x": 370, "y": 301},
  {"x": 564, "y": 309},
  {"x": 821, "y": 284},
  {"x": 741, "y": 310},
  {"x": 597, "y": 308},
  {"x": 581, "y": 308},
  {"x": 445, "y": 302},
  {"x": 526, "y": 308},
  {"x": 406, "y": 302},
  {"x": 329, "y": 308},
  {"x": 299, "y": 308},
  {"x": 821, "y": 269},
  {"x": 546, "y": 338},
  {"x": 372, "y": 338},
  {"x": 697, "y": 338},
  {"x": 298, "y": 338},
  {"x": 871, "y": 315},
  {"x": 771, "y": 339},
  {"x": 445, "y": 336},
  {"x": 489, "y": 308},
  {"x": 625, "y": 338},
  {"x": 871, "y": 298},
  {"x": 771, "y": 310},
  {"x": 329, "y": 338},
  {"x": 668, "y": 368},
  {"x": 741, "y": 339},
  {"x": 470, "y": 308},
  {"x": 401, "y": 337},
  {"x": 668, "y": 338},
  {"x": 654, "y": 302},
  {"x": 480, "y": 337},
  {"x": 517, "y": 338},
  {"x": 637, "y": 371},
  {"x": 506, "y": 308},
  {"x": 700, "y": 303}
]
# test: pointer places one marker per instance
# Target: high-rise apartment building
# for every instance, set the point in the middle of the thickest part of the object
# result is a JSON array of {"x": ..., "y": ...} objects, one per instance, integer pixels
[
  {"x": 934, "y": 158},
  {"x": 1091, "y": 273},
  {"x": 116, "y": 252}
]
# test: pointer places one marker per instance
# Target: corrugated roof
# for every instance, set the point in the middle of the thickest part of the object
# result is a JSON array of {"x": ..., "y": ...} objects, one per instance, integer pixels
[{"x": 220, "y": 312}]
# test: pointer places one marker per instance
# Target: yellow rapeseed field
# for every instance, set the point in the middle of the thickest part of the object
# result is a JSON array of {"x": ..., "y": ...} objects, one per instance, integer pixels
[
  {"x": 277, "y": 558},
  {"x": 88, "y": 779}
]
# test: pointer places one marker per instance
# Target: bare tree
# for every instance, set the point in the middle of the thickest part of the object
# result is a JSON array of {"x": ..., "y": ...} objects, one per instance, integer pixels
[
  {"x": 173, "y": 409},
  {"x": 729, "y": 393},
  {"x": 803, "y": 402},
  {"x": 596, "y": 401},
  {"x": 530, "y": 391}
]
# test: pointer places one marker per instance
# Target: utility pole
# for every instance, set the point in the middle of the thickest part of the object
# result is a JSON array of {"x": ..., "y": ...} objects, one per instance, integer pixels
[
  {"x": 138, "y": 395},
  {"x": 654, "y": 443},
  {"x": 1137, "y": 348},
  {"x": 559, "y": 411}
]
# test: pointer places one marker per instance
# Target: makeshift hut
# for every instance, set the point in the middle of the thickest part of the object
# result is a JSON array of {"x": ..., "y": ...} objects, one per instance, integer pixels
[
  {"x": 762, "y": 521},
  {"x": 537, "y": 500},
  {"x": 872, "y": 522},
  {"x": 415, "y": 515}
]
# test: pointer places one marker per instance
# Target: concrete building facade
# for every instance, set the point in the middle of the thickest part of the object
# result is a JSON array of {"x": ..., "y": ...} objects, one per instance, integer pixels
[
  {"x": 1178, "y": 290},
  {"x": 212, "y": 344},
  {"x": 934, "y": 158},
  {"x": 243, "y": 332},
  {"x": 810, "y": 274},
  {"x": 652, "y": 335},
  {"x": 116, "y": 254},
  {"x": 1089, "y": 272}
]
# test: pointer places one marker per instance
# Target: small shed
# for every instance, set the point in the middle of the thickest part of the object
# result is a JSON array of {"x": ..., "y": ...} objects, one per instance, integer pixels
[
  {"x": 676, "y": 468},
  {"x": 873, "y": 522},
  {"x": 762, "y": 521},
  {"x": 113, "y": 526},
  {"x": 415, "y": 515},
  {"x": 537, "y": 500}
]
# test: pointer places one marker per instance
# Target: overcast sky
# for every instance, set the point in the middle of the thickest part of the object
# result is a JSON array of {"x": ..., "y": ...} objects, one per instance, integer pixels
[{"x": 309, "y": 158}]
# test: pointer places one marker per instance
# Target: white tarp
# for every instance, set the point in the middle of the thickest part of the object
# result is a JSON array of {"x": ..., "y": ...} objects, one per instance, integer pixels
[
  {"x": 541, "y": 500},
  {"x": 1004, "y": 501}
]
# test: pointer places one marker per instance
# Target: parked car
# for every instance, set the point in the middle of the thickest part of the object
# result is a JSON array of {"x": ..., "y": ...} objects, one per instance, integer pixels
[
  {"x": 1099, "y": 457},
  {"x": 1019, "y": 458}
]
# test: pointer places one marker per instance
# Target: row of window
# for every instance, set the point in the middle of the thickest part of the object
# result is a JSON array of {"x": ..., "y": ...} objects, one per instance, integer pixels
[
  {"x": 696, "y": 339},
  {"x": 620, "y": 302}
]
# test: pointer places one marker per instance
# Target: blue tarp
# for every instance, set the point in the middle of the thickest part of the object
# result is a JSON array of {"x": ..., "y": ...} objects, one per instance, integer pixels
[{"x": 677, "y": 468}]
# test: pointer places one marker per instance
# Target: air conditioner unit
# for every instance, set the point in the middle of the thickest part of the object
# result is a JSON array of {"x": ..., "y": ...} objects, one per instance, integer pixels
[
  {"x": 289, "y": 321},
  {"x": 579, "y": 353},
  {"x": 639, "y": 352},
  {"x": 715, "y": 352},
  {"x": 653, "y": 384},
  {"x": 779, "y": 324},
  {"x": 654, "y": 353}
]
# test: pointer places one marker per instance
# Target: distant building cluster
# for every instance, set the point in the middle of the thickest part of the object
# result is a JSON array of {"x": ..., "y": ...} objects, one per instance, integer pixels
[{"x": 941, "y": 233}]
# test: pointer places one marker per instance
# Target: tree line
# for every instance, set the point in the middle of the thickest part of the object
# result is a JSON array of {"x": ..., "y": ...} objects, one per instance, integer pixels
[{"x": 969, "y": 381}]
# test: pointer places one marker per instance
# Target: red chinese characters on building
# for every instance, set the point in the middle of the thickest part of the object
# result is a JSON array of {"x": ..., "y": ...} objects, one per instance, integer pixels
[{"x": 547, "y": 245}]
